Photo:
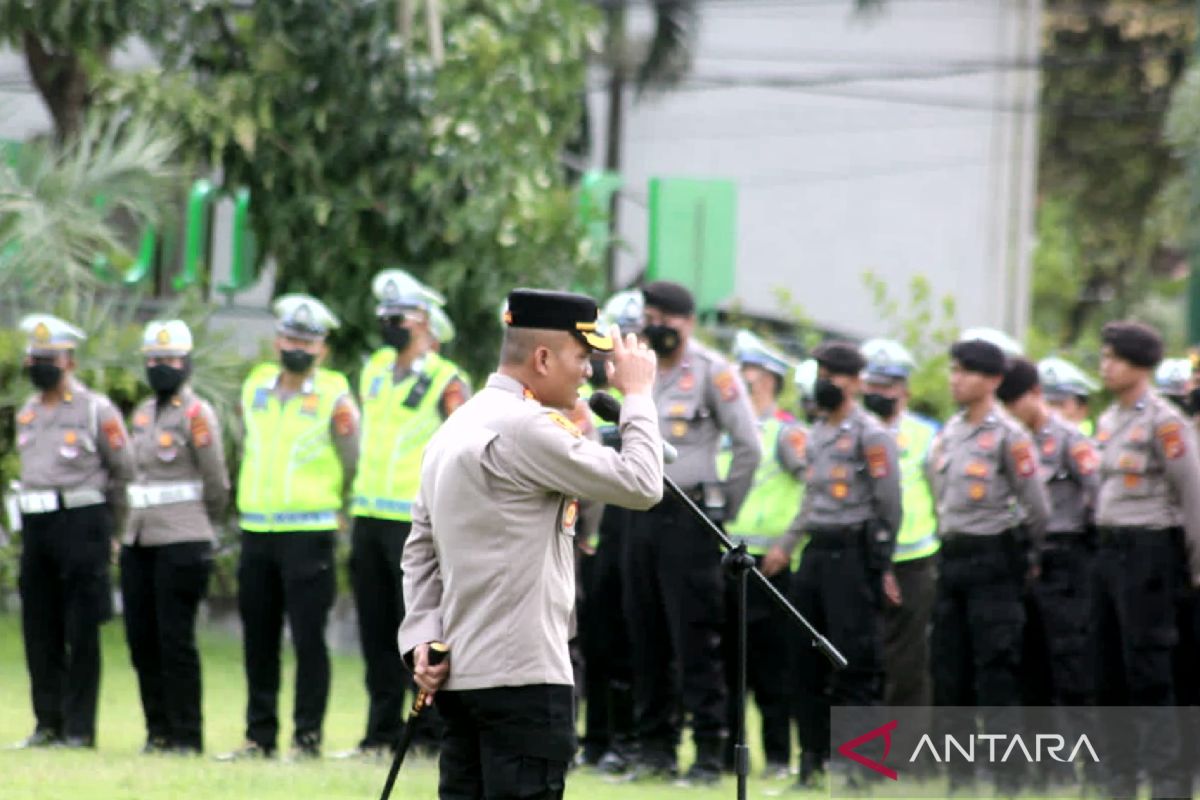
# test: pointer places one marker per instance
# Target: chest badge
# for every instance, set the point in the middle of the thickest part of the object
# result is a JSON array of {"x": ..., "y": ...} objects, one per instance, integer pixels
[
  {"x": 687, "y": 382},
  {"x": 977, "y": 491},
  {"x": 986, "y": 440},
  {"x": 1049, "y": 446},
  {"x": 839, "y": 491}
]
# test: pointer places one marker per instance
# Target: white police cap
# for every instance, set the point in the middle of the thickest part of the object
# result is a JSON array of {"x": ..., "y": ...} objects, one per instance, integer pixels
[
  {"x": 395, "y": 289},
  {"x": 440, "y": 324},
  {"x": 48, "y": 334},
  {"x": 806, "y": 377},
  {"x": 166, "y": 337},
  {"x": 625, "y": 309},
  {"x": 303, "y": 317},
  {"x": 887, "y": 358},
  {"x": 749, "y": 349},
  {"x": 1006, "y": 343},
  {"x": 1173, "y": 375},
  {"x": 1059, "y": 376}
]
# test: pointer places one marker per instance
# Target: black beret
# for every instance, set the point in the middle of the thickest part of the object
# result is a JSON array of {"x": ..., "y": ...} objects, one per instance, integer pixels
[
  {"x": 840, "y": 358},
  {"x": 979, "y": 356},
  {"x": 669, "y": 297},
  {"x": 556, "y": 311},
  {"x": 1020, "y": 377},
  {"x": 1134, "y": 342}
]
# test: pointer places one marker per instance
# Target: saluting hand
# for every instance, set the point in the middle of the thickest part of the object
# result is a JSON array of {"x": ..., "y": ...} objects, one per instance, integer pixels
[
  {"x": 428, "y": 678},
  {"x": 633, "y": 365}
]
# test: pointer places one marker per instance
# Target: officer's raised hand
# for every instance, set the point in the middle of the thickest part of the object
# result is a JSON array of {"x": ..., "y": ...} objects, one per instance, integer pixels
[{"x": 633, "y": 366}]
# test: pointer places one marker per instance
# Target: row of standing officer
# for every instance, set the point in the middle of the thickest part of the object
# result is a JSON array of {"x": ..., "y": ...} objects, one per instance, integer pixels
[{"x": 163, "y": 491}]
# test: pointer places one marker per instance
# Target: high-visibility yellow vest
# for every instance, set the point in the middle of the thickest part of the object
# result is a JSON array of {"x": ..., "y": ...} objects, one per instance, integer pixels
[
  {"x": 398, "y": 421},
  {"x": 918, "y": 529},
  {"x": 774, "y": 497},
  {"x": 291, "y": 477}
]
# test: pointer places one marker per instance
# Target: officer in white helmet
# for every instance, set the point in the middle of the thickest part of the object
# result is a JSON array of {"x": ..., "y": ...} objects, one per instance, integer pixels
[{"x": 1067, "y": 389}]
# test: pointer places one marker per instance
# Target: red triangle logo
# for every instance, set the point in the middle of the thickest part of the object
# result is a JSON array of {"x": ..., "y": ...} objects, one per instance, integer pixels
[{"x": 848, "y": 750}]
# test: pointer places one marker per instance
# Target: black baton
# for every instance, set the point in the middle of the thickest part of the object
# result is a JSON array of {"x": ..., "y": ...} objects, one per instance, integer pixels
[{"x": 437, "y": 654}]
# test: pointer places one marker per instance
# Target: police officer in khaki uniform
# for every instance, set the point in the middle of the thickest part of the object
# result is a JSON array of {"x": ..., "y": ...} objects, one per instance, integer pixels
[
  {"x": 407, "y": 390},
  {"x": 984, "y": 473},
  {"x": 300, "y": 453},
  {"x": 674, "y": 587},
  {"x": 1056, "y": 656},
  {"x": 75, "y": 463},
  {"x": 850, "y": 515},
  {"x": 489, "y": 567},
  {"x": 177, "y": 501},
  {"x": 1148, "y": 521}
]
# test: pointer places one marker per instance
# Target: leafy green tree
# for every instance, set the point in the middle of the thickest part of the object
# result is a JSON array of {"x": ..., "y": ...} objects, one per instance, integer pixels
[
  {"x": 361, "y": 154},
  {"x": 1107, "y": 246}
]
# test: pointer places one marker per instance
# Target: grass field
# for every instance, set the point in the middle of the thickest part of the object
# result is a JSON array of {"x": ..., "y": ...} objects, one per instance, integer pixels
[{"x": 116, "y": 771}]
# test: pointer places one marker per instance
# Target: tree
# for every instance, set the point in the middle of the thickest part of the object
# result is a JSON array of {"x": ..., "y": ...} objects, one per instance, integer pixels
[
  {"x": 360, "y": 154},
  {"x": 66, "y": 42},
  {"x": 1108, "y": 71}
]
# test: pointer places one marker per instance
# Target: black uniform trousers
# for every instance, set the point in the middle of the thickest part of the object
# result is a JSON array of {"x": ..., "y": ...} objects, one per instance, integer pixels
[
  {"x": 1057, "y": 666},
  {"x": 769, "y": 641},
  {"x": 906, "y": 634},
  {"x": 286, "y": 574},
  {"x": 376, "y": 550},
  {"x": 978, "y": 629},
  {"x": 1136, "y": 594},
  {"x": 65, "y": 596},
  {"x": 162, "y": 587},
  {"x": 506, "y": 743},
  {"x": 674, "y": 593},
  {"x": 604, "y": 639},
  {"x": 839, "y": 593}
]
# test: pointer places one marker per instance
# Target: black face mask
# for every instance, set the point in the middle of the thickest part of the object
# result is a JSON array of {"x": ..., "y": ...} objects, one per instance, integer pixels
[
  {"x": 880, "y": 405},
  {"x": 297, "y": 361},
  {"x": 1194, "y": 400},
  {"x": 828, "y": 395},
  {"x": 164, "y": 379},
  {"x": 1181, "y": 401},
  {"x": 599, "y": 379},
  {"x": 397, "y": 336},
  {"x": 663, "y": 339},
  {"x": 44, "y": 376}
]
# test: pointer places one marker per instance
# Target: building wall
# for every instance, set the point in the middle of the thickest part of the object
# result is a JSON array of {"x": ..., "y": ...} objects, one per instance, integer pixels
[{"x": 902, "y": 142}]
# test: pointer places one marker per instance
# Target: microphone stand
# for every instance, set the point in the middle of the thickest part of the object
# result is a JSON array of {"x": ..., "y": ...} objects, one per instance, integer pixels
[{"x": 739, "y": 565}]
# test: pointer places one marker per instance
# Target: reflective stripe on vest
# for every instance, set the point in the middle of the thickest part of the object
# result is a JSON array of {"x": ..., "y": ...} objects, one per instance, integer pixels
[
  {"x": 917, "y": 537},
  {"x": 774, "y": 497},
  {"x": 291, "y": 477},
  {"x": 398, "y": 421}
]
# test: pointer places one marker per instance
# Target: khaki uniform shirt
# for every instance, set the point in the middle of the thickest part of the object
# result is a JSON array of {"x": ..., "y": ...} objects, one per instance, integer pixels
[
  {"x": 853, "y": 477},
  {"x": 489, "y": 567},
  {"x": 1149, "y": 471},
  {"x": 1069, "y": 465},
  {"x": 79, "y": 443},
  {"x": 179, "y": 442},
  {"x": 985, "y": 478},
  {"x": 698, "y": 399}
]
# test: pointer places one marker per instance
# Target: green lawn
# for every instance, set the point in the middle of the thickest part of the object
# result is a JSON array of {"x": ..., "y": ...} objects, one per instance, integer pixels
[{"x": 116, "y": 771}]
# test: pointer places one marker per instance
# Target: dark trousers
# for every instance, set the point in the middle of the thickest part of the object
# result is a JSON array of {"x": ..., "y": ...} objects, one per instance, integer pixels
[
  {"x": 674, "y": 593},
  {"x": 1057, "y": 666},
  {"x": 288, "y": 574},
  {"x": 604, "y": 639},
  {"x": 906, "y": 634},
  {"x": 769, "y": 641},
  {"x": 65, "y": 596},
  {"x": 162, "y": 588},
  {"x": 506, "y": 743},
  {"x": 377, "y": 546},
  {"x": 1136, "y": 592},
  {"x": 841, "y": 596},
  {"x": 978, "y": 627}
]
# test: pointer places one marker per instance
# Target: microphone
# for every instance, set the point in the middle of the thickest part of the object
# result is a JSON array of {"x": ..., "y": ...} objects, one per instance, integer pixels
[{"x": 606, "y": 407}]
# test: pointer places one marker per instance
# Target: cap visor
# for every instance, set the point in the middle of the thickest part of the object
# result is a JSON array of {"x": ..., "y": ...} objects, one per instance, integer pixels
[{"x": 604, "y": 344}]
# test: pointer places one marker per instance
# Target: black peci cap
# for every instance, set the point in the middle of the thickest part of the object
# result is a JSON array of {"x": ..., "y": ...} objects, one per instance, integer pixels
[
  {"x": 840, "y": 358},
  {"x": 977, "y": 355},
  {"x": 556, "y": 311},
  {"x": 669, "y": 297},
  {"x": 1020, "y": 378},
  {"x": 1135, "y": 342}
]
